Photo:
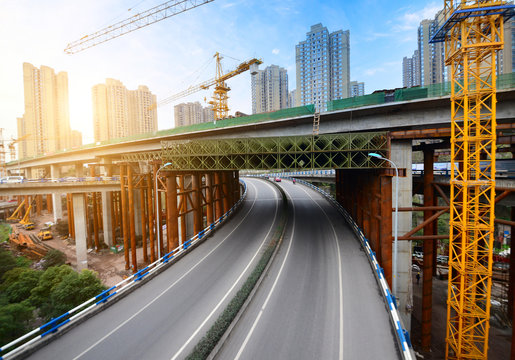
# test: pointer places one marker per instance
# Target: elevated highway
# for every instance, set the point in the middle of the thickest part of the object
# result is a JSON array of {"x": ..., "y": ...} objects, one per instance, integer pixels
[
  {"x": 431, "y": 113},
  {"x": 323, "y": 298}
]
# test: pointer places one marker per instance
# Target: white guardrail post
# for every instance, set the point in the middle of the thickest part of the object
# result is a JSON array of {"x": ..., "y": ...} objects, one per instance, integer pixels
[{"x": 69, "y": 317}]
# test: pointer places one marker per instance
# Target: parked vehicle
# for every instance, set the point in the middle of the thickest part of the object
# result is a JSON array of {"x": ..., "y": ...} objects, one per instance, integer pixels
[
  {"x": 29, "y": 226},
  {"x": 45, "y": 235},
  {"x": 277, "y": 179}
]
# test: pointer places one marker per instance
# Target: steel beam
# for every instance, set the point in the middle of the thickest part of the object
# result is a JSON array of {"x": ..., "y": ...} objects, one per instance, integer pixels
[
  {"x": 209, "y": 197},
  {"x": 144, "y": 220},
  {"x": 197, "y": 208},
  {"x": 132, "y": 224},
  {"x": 123, "y": 195},
  {"x": 172, "y": 225},
  {"x": 150, "y": 212},
  {"x": 218, "y": 194},
  {"x": 386, "y": 227},
  {"x": 429, "y": 229}
]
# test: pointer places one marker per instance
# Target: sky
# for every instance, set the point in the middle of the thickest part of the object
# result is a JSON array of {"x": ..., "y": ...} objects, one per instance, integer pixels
[{"x": 175, "y": 53}]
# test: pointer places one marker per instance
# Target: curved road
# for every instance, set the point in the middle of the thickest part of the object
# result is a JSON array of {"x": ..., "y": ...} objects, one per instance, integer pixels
[
  {"x": 320, "y": 299},
  {"x": 166, "y": 317}
]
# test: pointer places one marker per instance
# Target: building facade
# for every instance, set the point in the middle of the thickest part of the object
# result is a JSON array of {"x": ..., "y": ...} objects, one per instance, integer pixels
[
  {"x": 291, "y": 98},
  {"x": 118, "y": 112},
  {"x": 45, "y": 125},
  {"x": 357, "y": 88},
  {"x": 411, "y": 75},
  {"x": 506, "y": 58},
  {"x": 192, "y": 113},
  {"x": 269, "y": 89},
  {"x": 322, "y": 67}
]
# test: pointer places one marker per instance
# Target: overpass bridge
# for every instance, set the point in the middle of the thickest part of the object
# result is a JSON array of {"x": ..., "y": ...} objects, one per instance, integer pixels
[{"x": 191, "y": 196}]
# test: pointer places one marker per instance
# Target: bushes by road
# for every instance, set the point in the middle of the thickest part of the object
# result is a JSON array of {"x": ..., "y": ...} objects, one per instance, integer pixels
[{"x": 29, "y": 297}]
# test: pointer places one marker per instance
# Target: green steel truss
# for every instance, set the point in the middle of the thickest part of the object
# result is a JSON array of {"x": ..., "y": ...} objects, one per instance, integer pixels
[{"x": 268, "y": 153}]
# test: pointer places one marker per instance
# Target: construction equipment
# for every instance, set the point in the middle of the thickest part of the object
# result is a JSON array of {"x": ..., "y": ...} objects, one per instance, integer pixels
[
  {"x": 473, "y": 33},
  {"x": 135, "y": 22},
  {"x": 12, "y": 144},
  {"x": 17, "y": 213},
  {"x": 26, "y": 218},
  {"x": 29, "y": 226},
  {"x": 45, "y": 235},
  {"x": 219, "y": 102}
]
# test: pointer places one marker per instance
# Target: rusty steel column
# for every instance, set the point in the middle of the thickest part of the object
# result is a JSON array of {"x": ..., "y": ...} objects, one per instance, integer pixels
[
  {"x": 374, "y": 218},
  {"x": 172, "y": 223},
  {"x": 209, "y": 198},
  {"x": 95, "y": 221},
  {"x": 182, "y": 210},
  {"x": 158, "y": 217},
  {"x": 111, "y": 199},
  {"x": 225, "y": 191},
  {"x": 197, "y": 209},
  {"x": 427, "y": 276},
  {"x": 49, "y": 206},
  {"x": 39, "y": 204},
  {"x": 366, "y": 190},
  {"x": 125, "y": 224},
  {"x": 218, "y": 195},
  {"x": 385, "y": 226},
  {"x": 132, "y": 225},
  {"x": 68, "y": 208},
  {"x": 150, "y": 211},
  {"x": 143, "y": 224},
  {"x": 89, "y": 240},
  {"x": 511, "y": 283},
  {"x": 237, "y": 192}
]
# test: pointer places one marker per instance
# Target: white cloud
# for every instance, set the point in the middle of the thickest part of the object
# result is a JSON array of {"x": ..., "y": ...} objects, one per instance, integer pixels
[
  {"x": 410, "y": 19},
  {"x": 275, "y": 51}
]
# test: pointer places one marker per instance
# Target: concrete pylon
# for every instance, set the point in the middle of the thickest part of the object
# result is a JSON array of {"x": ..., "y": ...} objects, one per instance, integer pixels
[
  {"x": 55, "y": 172},
  {"x": 81, "y": 248},
  {"x": 106, "y": 218},
  {"x": 401, "y": 155}
]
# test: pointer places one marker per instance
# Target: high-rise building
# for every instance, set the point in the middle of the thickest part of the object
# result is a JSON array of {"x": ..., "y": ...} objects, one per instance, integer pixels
[
  {"x": 506, "y": 58},
  {"x": 76, "y": 139},
  {"x": 411, "y": 75},
  {"x": 357, "y": 88},
  {"x": 432, "y": 55},
  {"x": 323, "y": 67},
  {"x": 291, "y": 98},
  {"x": 45, "y": 125},
  {"x": 269, "y": 89},
  {"x": 118, "y": 112},
  {"x": 192, "y": 113}
]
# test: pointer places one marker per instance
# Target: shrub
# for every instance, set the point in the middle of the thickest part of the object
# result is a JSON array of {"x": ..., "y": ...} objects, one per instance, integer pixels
[{"x": 54, "y": 258}]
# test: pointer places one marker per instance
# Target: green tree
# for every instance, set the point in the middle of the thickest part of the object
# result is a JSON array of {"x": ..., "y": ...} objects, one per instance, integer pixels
[
  {"x": 74, "y": 289},
  {"x": 14, "y": 321},
  {"x": 54, "y": 258},
  {"x": 7, "y": 262},
  {"x": 40, "y": 295},
  {"x": 18, "y": 283}
]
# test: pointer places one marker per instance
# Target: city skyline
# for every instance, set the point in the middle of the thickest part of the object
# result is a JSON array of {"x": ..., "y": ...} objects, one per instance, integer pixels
[{"x": 172, "y": 51}]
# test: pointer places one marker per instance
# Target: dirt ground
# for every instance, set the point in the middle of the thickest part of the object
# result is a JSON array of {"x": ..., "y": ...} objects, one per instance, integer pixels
[
  {"x": 500, "y": 334},
  {"x": 110, "y": 267}
]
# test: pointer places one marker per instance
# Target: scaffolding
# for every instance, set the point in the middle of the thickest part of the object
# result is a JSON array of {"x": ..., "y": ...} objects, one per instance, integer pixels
[{"x": 473, "y": 33}]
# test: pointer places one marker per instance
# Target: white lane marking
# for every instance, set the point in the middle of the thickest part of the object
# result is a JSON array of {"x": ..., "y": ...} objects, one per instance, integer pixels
[
  {"x": 340, "y": 277},
  {"x": 247, "y": 338},
  {"x": 232, "y": 287},
  {"x": 172, "y": 285}
]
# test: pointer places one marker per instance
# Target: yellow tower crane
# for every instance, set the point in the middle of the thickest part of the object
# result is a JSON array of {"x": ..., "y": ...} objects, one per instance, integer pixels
[
  {"x": 135, "y": 22},
  {"x": 219, "y": 100},
  {"x": 473, "y": 34}
]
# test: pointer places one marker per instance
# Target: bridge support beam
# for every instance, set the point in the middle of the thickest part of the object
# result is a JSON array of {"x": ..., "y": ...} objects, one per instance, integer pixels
[
  {"x": 150, "y": 212},
  {"x": 401, "y": 155},
  {"x": 225, "y": 191},
  {"x": 144, "y": 220},
  {"x": 81, "y": 248},
  {"x": 197, "y": 208},
  {"x": 172, "y": 225},
  {"x": 428, "y": 271},
  {"x": 209, "y": 198},
  {"x": 107, "y": 216},
  {"x": 182, "y": 210},
  {"x": 55, "y": 172},
  {"x": 125, "y": 218},
  {"x": 132, "y": 225},
  {"x": 218, "y": 194}
]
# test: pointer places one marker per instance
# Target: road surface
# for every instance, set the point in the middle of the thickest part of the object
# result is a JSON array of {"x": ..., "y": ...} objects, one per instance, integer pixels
[
  {"x": 320, "y": 299},
  {"x": 166, "y": 317}
]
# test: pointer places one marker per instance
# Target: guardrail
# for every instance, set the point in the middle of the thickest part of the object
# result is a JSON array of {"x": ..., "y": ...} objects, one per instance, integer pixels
[
  {"x": 76, "y": 313},
  {"x": 61, "y": 180},
  {"x": 402, "y": 334}
]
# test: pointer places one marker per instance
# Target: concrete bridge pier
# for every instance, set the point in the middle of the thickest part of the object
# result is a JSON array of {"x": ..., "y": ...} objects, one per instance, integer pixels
[
  {"x": 81, "y": 248},
  {"x": 55, "y": 172},
  {"x": 401, "y": 155}
]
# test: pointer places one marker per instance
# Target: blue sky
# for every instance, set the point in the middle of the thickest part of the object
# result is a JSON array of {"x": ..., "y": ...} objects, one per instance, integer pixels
[{"x": 171, "y": 55}]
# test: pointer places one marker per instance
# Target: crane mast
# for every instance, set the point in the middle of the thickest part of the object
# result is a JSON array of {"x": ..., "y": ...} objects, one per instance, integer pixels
[
  {"x": 473, "y": 33},
  {"x": 219, "y": 99},
  {"x": 145, "y": 18}
]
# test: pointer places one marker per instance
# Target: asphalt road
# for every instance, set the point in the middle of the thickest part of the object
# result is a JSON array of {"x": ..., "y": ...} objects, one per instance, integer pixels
[
  {"x": 320, "y": 299},
  {"x": 166, "y": 317}
]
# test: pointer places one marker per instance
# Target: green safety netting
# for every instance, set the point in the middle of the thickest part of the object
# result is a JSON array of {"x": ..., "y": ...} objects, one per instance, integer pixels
[{"x": 356, "y": 101}]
